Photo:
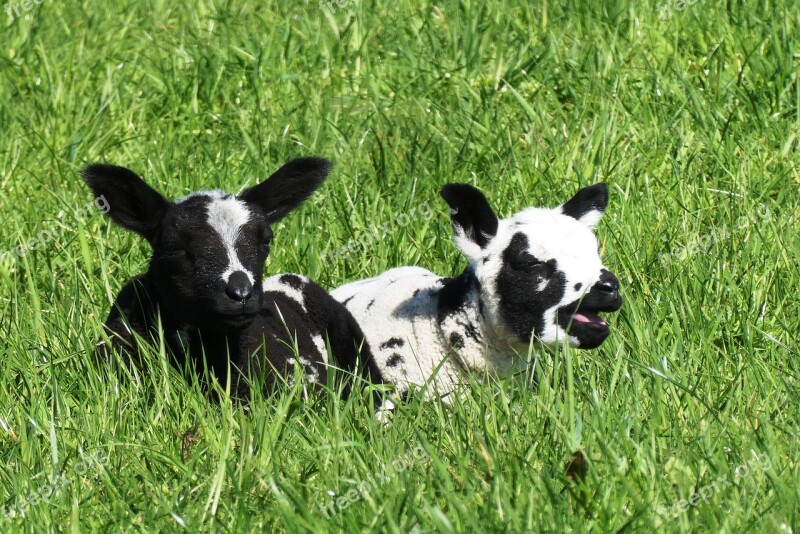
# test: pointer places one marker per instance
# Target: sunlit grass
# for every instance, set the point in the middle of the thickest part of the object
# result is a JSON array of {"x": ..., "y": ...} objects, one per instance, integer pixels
[{"x": 692, "y": 120}]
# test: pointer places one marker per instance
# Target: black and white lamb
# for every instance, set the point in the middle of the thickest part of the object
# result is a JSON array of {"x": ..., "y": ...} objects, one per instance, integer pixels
[
  {"x": 203, "y": 287},
  {"x": 534, "y": 278}
]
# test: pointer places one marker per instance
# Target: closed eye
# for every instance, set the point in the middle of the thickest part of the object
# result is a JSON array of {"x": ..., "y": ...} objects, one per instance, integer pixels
[
  {"x": 527, "y": 262},
  {"x": 532, "y": 264},
  {"x": 180, "y": 253}
]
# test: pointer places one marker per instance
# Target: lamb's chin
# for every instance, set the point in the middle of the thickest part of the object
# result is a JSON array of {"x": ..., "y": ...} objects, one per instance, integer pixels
[
  {"x": 225, "y": 323},
  {"x": 577, "y": 335},
  {"x": 588, "y": 335},
  {"x": 235, "y": 322}
]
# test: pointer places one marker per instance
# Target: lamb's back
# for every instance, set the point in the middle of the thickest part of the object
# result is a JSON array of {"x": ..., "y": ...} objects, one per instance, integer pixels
[{"x": 397, "y": 311}]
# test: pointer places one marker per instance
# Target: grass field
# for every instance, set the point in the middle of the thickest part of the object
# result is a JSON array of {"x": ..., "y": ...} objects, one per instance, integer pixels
[{"x": 688, "y": 415}]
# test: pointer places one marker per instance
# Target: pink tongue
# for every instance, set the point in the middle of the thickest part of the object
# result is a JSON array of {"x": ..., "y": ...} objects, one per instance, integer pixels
[{"x": 587, "y": 318}]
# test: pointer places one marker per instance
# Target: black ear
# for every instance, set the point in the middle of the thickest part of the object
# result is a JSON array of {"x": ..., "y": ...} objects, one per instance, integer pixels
[
  {"x": 131, "y": 203},
  {"x": 288, "y": 187},
  {"x": 470, "y": 213},
  {"x": 588, "y": 205}
]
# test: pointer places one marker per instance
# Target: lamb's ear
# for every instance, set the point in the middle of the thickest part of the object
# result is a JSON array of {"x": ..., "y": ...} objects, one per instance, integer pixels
[
  {"x": 288, "y": 187},
  {"x": 588, "y": 205},
  {"x": 131, "y": 203},
  {"x": 474, "y": 221}
]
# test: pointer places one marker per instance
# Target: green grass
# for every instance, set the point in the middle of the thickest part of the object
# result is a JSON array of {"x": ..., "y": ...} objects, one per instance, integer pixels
[{"x": 693, "y": 121}]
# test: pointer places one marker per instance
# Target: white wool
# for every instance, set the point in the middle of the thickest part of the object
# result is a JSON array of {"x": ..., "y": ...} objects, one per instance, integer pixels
[{"x": 226, "y": 216}]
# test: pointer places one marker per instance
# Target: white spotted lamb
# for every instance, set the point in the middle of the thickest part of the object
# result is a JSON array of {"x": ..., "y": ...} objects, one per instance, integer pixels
[{"x": 534, "y": 278}]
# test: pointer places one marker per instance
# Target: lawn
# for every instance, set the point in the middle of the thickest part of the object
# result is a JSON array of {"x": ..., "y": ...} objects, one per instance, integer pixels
[{"x": 686, "y": 418}]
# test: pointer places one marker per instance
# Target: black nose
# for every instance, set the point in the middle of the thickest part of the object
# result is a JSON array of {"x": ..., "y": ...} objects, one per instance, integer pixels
[
  {"x": 608, "y": 287},
  {"x": 608, "y": 283},
  {"x": 239, "y": 287}
]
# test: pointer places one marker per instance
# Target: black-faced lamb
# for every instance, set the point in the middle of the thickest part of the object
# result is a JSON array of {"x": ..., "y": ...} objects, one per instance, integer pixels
[
  {"x": 534, "y": 278},
  {"x": 203, "y": 287}
]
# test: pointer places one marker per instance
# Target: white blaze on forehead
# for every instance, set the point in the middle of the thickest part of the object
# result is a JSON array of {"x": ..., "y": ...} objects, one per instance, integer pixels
[
  {"x": 211, "y": 193},
  {"x": 226, "y": 216}
]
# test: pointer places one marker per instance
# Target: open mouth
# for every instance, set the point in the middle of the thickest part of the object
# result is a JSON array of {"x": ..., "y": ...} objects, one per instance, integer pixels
[
  {"x": 585, "y": 324},
  {"x": 580, "y": 314},
  {"x": 587, "y": 317}
]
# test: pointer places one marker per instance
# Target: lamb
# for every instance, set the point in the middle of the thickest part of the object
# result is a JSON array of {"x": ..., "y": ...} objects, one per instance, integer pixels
[
  {"x": 203, "y": 287},
  {"x": 534, "y": 278}
]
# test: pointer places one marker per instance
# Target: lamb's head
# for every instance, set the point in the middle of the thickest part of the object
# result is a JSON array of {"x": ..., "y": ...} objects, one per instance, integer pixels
[
  {"x": 540, "y": 271},
  {"x": 209, "y": 248}
]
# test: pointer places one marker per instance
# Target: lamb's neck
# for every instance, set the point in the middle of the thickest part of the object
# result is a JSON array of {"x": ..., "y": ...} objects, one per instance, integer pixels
[
  {"x": 475, "y": 343},
  {"x": 215, "y": 345}
]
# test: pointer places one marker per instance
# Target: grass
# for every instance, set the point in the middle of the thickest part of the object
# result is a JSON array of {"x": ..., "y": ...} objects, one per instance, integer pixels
[{"x": 692, "y": 119}]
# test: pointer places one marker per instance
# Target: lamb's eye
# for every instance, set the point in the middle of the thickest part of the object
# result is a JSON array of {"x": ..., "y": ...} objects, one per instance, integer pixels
[
  {"x": 528, "y": 263},
  {"x": 180, "y": 254}
]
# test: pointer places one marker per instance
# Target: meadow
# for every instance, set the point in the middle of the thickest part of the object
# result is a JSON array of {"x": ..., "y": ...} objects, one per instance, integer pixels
[{"x": 686, "y": 419}]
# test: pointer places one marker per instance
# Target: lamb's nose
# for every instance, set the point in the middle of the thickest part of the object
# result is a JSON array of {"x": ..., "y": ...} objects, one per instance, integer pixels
[
  {"x": 239, "y": 287},
  {"x": 608, "y": 283}
]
